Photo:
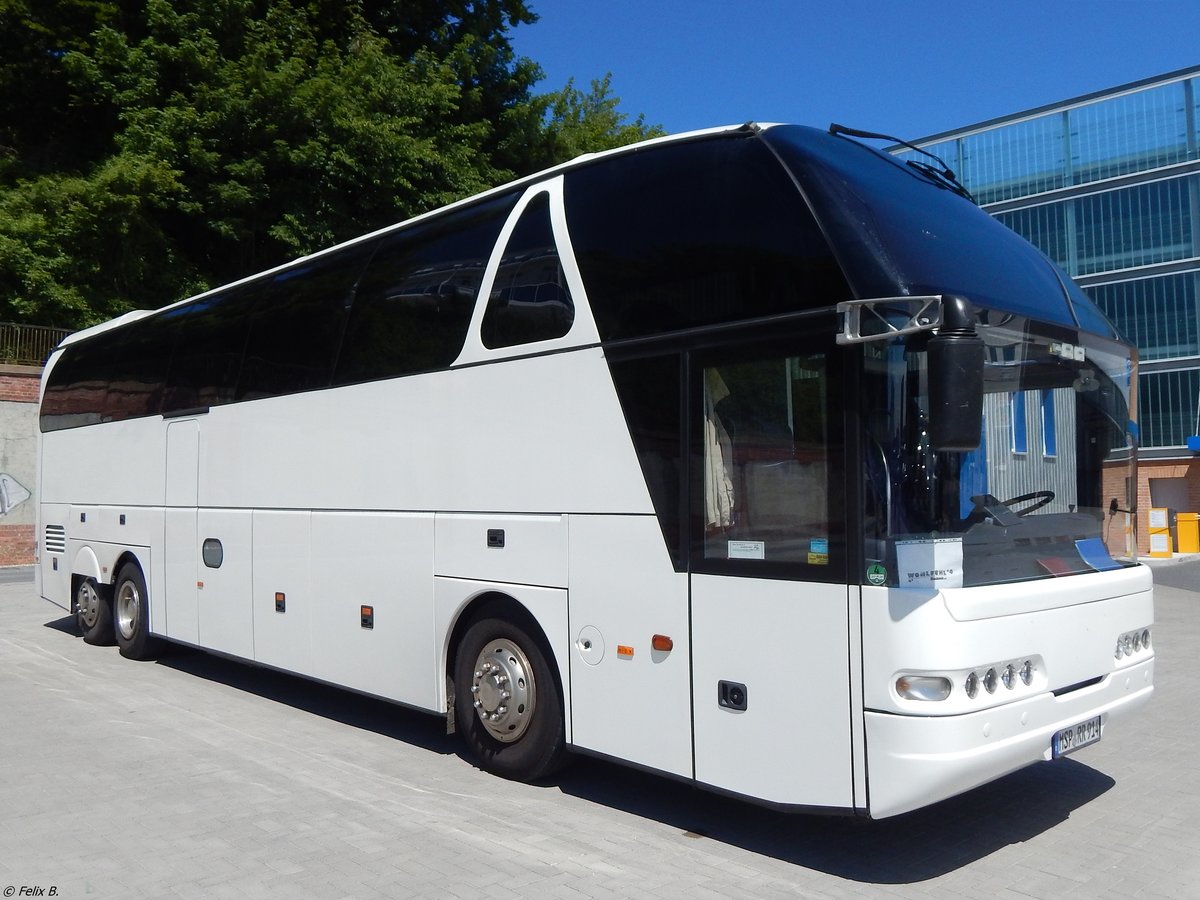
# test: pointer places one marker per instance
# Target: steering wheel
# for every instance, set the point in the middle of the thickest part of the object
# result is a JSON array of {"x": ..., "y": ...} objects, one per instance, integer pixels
[{"x": 1042, "y": 498}]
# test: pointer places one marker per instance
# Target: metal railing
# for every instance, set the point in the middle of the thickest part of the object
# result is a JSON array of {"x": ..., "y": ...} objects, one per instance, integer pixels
[{"x": 28, "y": 345}]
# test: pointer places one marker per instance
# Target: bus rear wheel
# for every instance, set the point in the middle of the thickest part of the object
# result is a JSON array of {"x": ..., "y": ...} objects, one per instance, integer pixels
[
  {"x": 131, "y": 614},
  {"x": 93, "y": 613},
  {"x": 508, "y": 704}
]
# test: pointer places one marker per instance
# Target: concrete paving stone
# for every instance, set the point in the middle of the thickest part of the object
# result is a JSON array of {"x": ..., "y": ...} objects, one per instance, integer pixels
[{"x": 238, "y": 783}]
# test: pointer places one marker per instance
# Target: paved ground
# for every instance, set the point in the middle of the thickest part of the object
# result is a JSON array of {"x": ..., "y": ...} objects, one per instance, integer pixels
[{"x": 198, "y": 777}]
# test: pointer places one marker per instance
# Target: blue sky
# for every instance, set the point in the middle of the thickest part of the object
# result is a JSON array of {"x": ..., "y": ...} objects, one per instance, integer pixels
[{"x": 904, "y": 68}]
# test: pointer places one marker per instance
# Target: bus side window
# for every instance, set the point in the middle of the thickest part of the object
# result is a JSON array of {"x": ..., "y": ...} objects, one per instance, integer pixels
[
  {"x": 113, "y": 376},
  {"x": 530, "y": 301},
  {"x": 649, "y": 392},
  {"x": 297, "y": 323},
  {"x": 75, "y": 392},
  {"x": 211, "y": 339},
  {"x": 135, "y": 367},
  {"x": 414, "y": 304}
]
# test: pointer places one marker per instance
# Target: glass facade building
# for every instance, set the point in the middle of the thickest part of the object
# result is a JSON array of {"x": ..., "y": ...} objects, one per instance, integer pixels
[{"x": 1108, "y": 186}]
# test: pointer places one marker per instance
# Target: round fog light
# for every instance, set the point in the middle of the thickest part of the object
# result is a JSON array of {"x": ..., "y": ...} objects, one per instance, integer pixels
[
  {"x": 989, "y": 681},
  {"x": 1146, "y": 638},
  {"x": 1027, "y": 673},
  {"x": 1009, "y": 677},
  {"x": 972, "y": 685}
]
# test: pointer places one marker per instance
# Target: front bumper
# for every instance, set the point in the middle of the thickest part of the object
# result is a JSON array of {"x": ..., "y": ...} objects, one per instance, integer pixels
[{"x": 913, "y": 761}]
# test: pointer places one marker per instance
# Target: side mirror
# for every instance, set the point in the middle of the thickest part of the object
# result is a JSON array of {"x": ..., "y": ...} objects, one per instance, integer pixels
[{"x": 956, "y": 359}]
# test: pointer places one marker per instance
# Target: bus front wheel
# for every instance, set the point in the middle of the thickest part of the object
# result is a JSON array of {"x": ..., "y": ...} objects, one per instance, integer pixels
[
  {"x": 93, "y": 613},
  {"x": 131, "y": 614},
  {"x": 507, "y": 701}
]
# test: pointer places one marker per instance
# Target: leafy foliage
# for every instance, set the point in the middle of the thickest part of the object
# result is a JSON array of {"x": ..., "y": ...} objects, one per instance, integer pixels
[{"x": 150, "y": 148}]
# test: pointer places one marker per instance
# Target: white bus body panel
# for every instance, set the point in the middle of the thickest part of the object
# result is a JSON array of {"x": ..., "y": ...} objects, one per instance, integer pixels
[
  {"x": 632, "y": 706},
  {"x": 283, "y": 638},
  {"x": 788, "y": 643},
  {"x": 120, "y": 463},
  {"x": 176, "y": 594},
  {"x": 382, "y": 560},
  {"x": 519, "y": 440},
  {"x": 226, "y": 611},
  {"x": 181, "y": 603},
  {"x": 534, "y": 549}
]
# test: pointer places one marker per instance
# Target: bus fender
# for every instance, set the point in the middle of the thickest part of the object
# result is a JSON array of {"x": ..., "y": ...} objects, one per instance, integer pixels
[{"x": 87, "y": 565}]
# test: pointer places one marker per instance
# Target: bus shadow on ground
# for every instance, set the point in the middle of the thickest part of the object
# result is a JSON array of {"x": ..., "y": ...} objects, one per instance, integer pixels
[
  {"x": 909, "y": 848},
  {"x": 338, "y": 704},
  {"x": 913, "y": 847}
]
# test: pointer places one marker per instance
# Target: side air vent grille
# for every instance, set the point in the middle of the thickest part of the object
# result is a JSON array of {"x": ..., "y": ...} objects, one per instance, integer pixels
[{"x": 56, "y": 539}]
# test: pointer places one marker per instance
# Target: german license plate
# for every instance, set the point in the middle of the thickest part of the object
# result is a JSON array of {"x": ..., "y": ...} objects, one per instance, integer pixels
[{"x": 1071, "y": 739}]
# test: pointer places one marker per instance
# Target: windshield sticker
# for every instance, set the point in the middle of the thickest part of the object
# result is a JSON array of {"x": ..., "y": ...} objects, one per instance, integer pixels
[
  {"x": 1068, "y": 351},
  {"x": 747, "y": 550},
  {"x": 818, "y": 552},
  {"x": 936, "y": 563},
  {"x": 876, "y": 574}
]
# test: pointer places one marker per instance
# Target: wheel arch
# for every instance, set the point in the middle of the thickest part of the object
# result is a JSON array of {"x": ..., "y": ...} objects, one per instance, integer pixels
[
  {"x": 85, "y": 565},
  {"x": 128, "y": 556},
  {"x": 495, "y": 602},
  {"x": 491, "y": 603}
]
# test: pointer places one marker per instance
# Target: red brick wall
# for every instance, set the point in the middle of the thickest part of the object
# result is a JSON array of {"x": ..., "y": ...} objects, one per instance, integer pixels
[
  {"x": 16, "y": 545},
  {"x": 19, "y": 384},
  {"x": 1172, "y": 468}
]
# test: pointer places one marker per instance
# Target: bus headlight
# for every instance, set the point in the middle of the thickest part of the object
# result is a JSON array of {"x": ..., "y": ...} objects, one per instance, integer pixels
[{"x": 923, "y": 687}]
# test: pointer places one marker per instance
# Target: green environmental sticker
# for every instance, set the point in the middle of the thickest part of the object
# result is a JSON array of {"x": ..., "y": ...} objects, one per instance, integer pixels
[{"x": 876, "y": 574}]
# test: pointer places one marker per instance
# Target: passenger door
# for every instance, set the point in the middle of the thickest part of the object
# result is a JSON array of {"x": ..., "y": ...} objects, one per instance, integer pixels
[{"x": 769, "y": 603}]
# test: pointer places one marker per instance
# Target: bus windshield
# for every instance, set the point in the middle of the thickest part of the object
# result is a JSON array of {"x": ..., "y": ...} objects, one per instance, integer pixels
[{"x": 1045, "y": 493}]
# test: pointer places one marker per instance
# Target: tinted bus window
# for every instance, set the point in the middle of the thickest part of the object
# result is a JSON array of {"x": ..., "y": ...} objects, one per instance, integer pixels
[
  {"x": 135, "y": 367},
  {"x": 115, "y": 375},
  {"x": 529, "y": 300},
  {"x": 650, "y": 392},
  {"x": 297, "y": 323},
  {"x": 75, "y": 390},
  {"x": 208, "y": 350},
  {"x": 415, "y": 300},
  {"x": 693, "y": 234}
]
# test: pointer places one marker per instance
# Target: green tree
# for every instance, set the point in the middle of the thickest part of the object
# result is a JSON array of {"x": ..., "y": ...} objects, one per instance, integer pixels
[
  {"x": 578, "y": 122},
  {"x": 152, "y": 148}
]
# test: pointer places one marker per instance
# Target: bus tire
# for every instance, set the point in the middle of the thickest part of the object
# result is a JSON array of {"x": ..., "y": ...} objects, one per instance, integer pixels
[
  {"x": 93, "y": 613},
  {"x": 131, "y": 614},
  {"x": 508, "y": 704}
]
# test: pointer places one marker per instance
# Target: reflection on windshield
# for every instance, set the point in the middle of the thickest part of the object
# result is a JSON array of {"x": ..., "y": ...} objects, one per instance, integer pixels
[{"x": 1032, "y": 501}]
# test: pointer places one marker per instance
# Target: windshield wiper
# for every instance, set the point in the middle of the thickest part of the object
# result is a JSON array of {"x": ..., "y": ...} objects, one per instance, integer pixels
[{"x": 943, "y": 176}]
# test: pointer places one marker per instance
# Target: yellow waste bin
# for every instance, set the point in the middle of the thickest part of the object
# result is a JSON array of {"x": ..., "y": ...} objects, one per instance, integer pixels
[{"x": 1187, "y": 528}]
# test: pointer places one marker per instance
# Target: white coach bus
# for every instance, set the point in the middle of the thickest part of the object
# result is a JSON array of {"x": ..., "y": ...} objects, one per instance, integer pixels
[{"x": 755, "y": 456}]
